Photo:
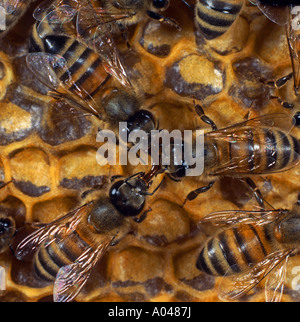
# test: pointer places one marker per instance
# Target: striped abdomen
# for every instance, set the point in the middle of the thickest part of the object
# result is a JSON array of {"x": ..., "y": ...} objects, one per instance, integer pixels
[
  {"x": 60, "y": 252},
  {"x": 254, "y": 151},
  {"x": 85, "y": 75},
  {"x": 234, "y": 250},
  {"x": 214, "y": 17}
]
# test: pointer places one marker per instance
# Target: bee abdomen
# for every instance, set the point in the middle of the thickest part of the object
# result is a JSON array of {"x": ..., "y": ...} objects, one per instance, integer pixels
[
  {"x": 214, "y": 17},
  {"x": 281, "y": 150},
  {"x": 52, "y": 256},
  {"x": 233, "y": 251}
]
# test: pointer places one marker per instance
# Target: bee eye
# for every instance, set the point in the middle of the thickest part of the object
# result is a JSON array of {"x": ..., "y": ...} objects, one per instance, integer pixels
[{"x": 160, "y": 3}]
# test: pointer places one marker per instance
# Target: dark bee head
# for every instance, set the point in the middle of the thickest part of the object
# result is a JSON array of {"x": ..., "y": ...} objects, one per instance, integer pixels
[
  {"x": 141, "y": 121},
  {"x": 7, "y": 231},
  {"x": 120, "y": 105},
  {"x": 128, "y": 195},
  {"x": 287, "y": 230},
  {"x": 104, "y": 217},
  {"x": 160, "y": 4}
]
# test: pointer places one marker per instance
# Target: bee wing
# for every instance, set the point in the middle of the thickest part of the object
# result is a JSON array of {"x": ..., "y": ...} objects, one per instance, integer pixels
[
  {"x": 71, "y": 278},
  {"x": 43, "y": 66},
  {"x": 275, "y": 282},
  {"x": 278, "y": 120},
  {"x": 238, "y": 165},
  {"x": 94, "y": 31},
  {"x": 60, "y": 227},
  {"x": 11, "y": 6},
  {"x": 278, "y": 15},
  {"x": 292, "y": 31},
  {"x": 232, "y": 288},
  {"x": 234, "y": 217},
  {"x": 50, "y": 6}
]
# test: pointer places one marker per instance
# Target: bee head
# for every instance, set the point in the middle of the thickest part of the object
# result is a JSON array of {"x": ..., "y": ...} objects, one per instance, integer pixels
[{"x": 128, "y": 196}]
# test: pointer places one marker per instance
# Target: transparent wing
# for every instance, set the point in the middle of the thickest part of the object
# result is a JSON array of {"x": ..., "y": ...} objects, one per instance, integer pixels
[
  {"x": 237, "y": 166},
  {"x": 58, "y": 228},
  {"x": 49, "y": 6},
  {"x": 94, "y": 30},
  {"x": 239, "y": 135},
  {"x": 42, "y": 66},
  {"x": 71, "y": 278},
  {"x": 11, "y": 6},
  {"x": 46, "y": 67},
  {"x": 293, "y": 36},
  {"x": 232, "y": 288},
  {"x": 281, "y": 121},
  {"x": 278, "y": 15},
  {"x": 234, "y": 217},
  {"x": 275, "y": 282}
]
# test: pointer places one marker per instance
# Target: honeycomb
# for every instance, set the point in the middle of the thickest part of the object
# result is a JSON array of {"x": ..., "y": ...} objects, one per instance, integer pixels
[{"x": 50, "y": 153}]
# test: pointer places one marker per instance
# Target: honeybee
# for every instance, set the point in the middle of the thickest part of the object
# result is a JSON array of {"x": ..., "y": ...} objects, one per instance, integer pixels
[
  {"x": 214, "y": 17},
  {"x": 261, "y": 145},
  {"x": 13, "y": 11},
  {"x": 69, "y": 247},
  {"x": 251, "y": 246}
]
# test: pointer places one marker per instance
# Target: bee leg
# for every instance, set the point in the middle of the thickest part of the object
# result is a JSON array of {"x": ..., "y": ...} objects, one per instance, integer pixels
[
  {"x": 278, "y": 84},
  {"x": 282, "y": 103},
  {"x": 280, "y": 81},
  {"x": 154, "y": 191},
  {"x": 205, "y": 118},
  {"x": 194, "y": 194},
  {"x": 257, "y": 194},
  {"x": 142, "y": 217},
  {"x": 5, "y": 184},
  {"x": 114, "y": 178},
  {"x": 161, "y": 18}
]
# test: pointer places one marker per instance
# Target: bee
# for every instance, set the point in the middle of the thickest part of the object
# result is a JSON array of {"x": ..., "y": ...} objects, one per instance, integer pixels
[
  {"x": 260, "y": 145},
  {"x": 68, "y": 248},
  {"x": 77, "y": 76},
  {"x": 251, "y": 246},
  {"x": 13, "y": 10},
  {"x": 214, "y": 17}
]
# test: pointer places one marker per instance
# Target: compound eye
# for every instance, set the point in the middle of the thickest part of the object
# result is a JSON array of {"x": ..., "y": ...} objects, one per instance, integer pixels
[{"x": 160, "y": 4}]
